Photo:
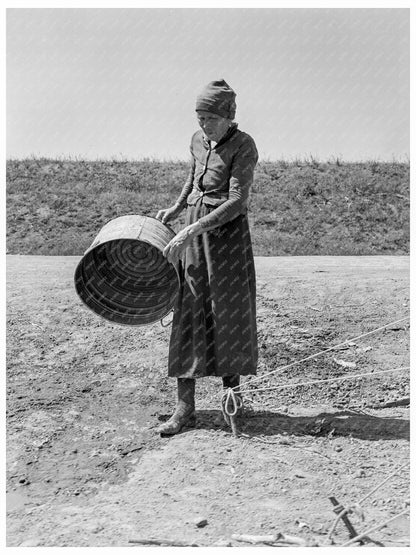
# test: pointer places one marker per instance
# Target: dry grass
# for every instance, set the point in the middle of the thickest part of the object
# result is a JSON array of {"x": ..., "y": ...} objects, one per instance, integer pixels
[{"x": 57, "y": 207}]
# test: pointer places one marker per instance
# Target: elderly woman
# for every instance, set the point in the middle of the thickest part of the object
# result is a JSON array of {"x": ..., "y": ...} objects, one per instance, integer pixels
[{"x": 214, "y": 324}]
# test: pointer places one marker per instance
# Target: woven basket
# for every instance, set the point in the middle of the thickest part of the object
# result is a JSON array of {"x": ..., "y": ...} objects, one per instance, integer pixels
[{"x": 124, "y": 277}]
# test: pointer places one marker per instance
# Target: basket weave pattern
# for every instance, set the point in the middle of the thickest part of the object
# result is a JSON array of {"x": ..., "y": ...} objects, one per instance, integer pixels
[{"x": 124, "y": 277}]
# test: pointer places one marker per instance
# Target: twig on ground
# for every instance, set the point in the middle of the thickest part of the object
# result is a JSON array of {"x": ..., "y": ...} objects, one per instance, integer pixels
[
  {"x": 316, "y": 453},
  {"x": 403, "y": 401},
  {"x": 269, "y": 442},
  {"x": 269, "y": 539},
  {"x": 173, "y": 543}
]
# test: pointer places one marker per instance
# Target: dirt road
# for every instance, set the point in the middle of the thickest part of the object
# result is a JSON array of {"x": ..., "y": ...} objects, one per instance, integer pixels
[{"x": 85, "y": 468}]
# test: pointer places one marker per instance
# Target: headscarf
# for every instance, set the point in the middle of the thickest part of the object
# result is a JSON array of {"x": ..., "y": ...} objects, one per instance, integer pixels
[{"x": 217, "y": 97}]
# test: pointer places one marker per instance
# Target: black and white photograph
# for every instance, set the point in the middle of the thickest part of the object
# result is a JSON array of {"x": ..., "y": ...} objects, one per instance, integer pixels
[{"x": 207, "y": 276}]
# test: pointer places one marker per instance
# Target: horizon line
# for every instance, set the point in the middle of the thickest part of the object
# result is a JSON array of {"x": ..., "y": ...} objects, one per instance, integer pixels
[{"x": 293, "y": 160}]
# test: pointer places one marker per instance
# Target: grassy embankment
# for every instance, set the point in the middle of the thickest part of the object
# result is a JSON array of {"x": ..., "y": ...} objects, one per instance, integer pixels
[{"x": 57, "y": 207}]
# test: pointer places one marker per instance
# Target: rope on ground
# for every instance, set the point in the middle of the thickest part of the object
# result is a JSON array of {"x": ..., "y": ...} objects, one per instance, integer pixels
[
  {"x": 256, "y": 378},
  {"x": 325, "y": 380},
  {"x": 383, "y": 482},
  {"x": 374, "y": 529},
  {"x": 299, "y": 384},
  {"x": 357, "y": 506},
  {"x": 249, "y": 383}
]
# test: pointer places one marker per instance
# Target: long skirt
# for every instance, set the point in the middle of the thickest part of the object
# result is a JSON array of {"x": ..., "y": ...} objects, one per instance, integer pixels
[{"x": 214, "y": 329}]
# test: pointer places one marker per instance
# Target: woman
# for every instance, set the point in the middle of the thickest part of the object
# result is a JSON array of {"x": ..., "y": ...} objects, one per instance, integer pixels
[{"x": 214, "y": 324}]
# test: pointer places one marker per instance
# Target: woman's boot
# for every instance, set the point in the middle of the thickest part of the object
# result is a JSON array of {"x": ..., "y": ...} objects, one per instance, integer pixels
[
  {"x": 184, "y": 414},
  {"x": 232, "y": 380}
]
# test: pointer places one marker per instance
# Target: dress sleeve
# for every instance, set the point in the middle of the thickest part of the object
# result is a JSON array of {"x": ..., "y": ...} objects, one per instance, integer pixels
[
  {"x": 241, "y": 179},
  {"x": 187, "y": 188}
]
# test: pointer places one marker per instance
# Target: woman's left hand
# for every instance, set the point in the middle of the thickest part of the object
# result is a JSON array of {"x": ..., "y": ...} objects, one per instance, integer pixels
[{"x": 181, "y": 240}]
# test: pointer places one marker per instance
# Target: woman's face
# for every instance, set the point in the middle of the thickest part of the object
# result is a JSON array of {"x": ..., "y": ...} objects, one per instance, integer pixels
[{"x": 212, "y": 125}]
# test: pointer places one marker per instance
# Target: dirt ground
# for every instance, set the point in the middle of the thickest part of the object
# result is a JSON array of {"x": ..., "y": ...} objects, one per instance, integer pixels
[{"x": 85, "y": 467}]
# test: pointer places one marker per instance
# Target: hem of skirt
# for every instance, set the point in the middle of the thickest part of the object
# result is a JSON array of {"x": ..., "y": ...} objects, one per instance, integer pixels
[{"x": 197, "y": 376}]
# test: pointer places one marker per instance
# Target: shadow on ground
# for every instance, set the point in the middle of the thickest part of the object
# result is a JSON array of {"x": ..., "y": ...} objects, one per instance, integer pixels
[{"x": 343, "y": 423}]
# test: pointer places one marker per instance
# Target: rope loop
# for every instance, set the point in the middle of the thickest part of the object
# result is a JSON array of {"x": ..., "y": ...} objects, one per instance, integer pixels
[{"x": 231, "y": 403}]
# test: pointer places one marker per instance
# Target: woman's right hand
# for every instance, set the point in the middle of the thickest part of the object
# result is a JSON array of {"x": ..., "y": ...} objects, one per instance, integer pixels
[{"x": 169, "y": 214}]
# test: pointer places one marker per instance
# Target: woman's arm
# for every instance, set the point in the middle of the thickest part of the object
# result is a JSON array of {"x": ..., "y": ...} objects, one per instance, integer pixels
[
  {"x": 187, "y": 188},
  {"x": 169, "y": 214}
]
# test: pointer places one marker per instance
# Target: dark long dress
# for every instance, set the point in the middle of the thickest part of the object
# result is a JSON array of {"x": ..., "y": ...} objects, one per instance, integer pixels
[{"x": 214, "y": 324}]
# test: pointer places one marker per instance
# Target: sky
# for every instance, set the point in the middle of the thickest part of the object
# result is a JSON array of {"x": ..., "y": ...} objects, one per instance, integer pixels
[{"x": 112, "y": 83}]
